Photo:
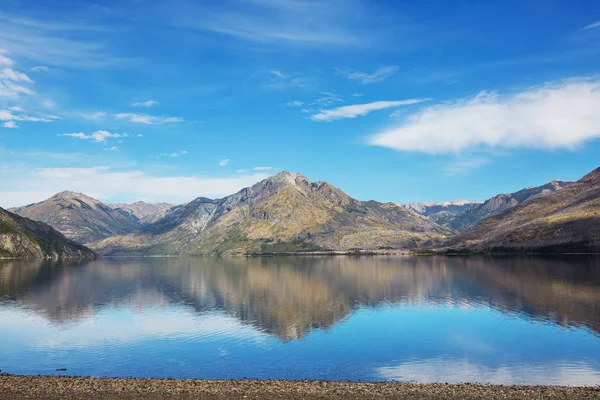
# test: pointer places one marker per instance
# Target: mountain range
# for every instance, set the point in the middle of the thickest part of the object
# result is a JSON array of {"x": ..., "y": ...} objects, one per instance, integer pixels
[
  {"x": 462, "y": 214},
  {"x": 284, "y": 213},
  {"x": 566, "y": 220},
  {"x": 289, "y": 213}
]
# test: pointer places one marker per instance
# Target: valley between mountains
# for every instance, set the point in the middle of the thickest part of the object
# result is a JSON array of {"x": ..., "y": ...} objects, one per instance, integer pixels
[{"x": 288, "y": 213}]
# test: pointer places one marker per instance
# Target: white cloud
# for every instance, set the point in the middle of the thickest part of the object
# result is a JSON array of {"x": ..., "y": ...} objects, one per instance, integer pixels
[
  {"x": 97, "y": 136},
  {"x": 16, "y": 76},
  {"x": 16, "y": 109},
  {"x": 9, "y": 88},
  {"x": 263, "y": 168},
  {"x": 555, "y": 115},
  {"x": 4, "y": 60},
  {"x": 240, "y": 171},
  {"x": 113, "y": 148},
  {"x": 147, "y": 119},
  {"x": 294, "y": 103},
  {"x": 224, "y": 162},
  {"x": 9, "y": 115},
  {"x": 10, "y": 124},
  {"x": 30, "y": 185},
  {"x": 592, "y": 26},
  {"x": 357, "y": 110},
  {"x": 148, "y": 103},
  {"x": 379, "y": 75},
  {"x": 327, "y": 99},
  {"x": 40, "y": 68}
]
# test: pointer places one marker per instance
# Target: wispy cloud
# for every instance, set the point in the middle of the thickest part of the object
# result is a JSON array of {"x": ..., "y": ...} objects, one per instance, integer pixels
[
  {"x": 12, "y": 80},
  {"x": 294, "y": 103},
  {"x": 279, "y": 80},
  {"x": 40, "y": 68},
  {"x": 175, "y": 154},
  {"x": 35, "y": 184},
  {"x": 266, "y": 168},
  {"x": 284, "y": 22},
  {"x": 555, "y": 115},
  {"x": 327, "y": 99},
  {"x": 17, "y": 114},
  {"x": 148, "y": 103},
  {"x": 55, "y": 42},
  {"x": 97, "y": 136},
  {"x": 224, "y": 162},
  {"x": 357, "y": 110},
  {"x": 148, "y": 119},
  {"x": 592, "y": 26},
  {"x": 379, "y": 75},
  {"x": 464, "y": 166}
]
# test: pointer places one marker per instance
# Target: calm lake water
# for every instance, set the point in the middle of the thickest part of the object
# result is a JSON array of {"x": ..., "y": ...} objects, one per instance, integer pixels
[{"x": 429, "y": 319}]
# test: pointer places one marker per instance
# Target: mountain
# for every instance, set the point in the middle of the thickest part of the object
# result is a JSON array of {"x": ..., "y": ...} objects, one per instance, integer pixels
[
  {"x": 286, "y": 212},
  {"x": 499, "y": 203},
  {"x": 442, "y": 213},
  {"x": 78, "y": 217},
  {"x": 23, "y": 238},
  {"x": 461, "y": 214},
  {"x": 561, "y": 221},
  {"x": 142, "y": 212}
]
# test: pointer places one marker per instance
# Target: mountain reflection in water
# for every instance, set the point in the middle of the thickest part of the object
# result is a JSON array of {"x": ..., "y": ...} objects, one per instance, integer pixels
[
  {"x": 289, "y": 297},
  {"x": 359, "y": 318}
]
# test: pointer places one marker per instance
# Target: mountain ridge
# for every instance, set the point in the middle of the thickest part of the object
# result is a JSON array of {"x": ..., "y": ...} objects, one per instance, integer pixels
[
  {"x": 566, "y": 220},
  {"x": 284, "y": 212}
]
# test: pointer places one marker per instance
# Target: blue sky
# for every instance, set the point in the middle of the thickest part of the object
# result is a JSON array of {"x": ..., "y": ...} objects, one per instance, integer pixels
[{"x": 388, "y": 100}]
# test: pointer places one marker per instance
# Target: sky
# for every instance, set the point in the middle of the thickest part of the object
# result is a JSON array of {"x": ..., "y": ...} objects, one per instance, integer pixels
[{"x": 389, "y": 100}]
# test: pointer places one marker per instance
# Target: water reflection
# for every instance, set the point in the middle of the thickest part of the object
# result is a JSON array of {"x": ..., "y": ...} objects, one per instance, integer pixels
[{"x": 290, "y": 297}]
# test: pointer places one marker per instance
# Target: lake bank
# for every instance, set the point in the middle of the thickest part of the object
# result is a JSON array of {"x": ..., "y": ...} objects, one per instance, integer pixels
[{"x": 58, "y": 387}]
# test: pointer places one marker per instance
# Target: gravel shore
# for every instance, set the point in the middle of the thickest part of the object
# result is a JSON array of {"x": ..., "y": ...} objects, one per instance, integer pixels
[{"x": 53, "y": 387}]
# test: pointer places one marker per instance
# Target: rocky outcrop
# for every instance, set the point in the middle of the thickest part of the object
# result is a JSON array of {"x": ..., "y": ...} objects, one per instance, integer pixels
[
  {"x": 286, "y": 212},
  {"x": 78, "y": 217},
  {"x": 23, "y": 238}
]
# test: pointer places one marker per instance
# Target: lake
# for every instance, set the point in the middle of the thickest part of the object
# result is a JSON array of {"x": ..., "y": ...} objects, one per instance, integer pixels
[{"x": 504, "y": 320}]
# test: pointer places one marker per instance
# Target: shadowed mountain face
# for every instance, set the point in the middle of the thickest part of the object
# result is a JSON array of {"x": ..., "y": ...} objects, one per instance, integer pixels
[
  {"x": 142, "y": 212},
  {"x": 23, "y": 238},
  {"x": 286, "y": 212},
  {"x": 567, "y": 220},
  {"x": 461, "y": 214},
  {"x": 289, "y": 297},
  {"x": 78, "y": 217}
]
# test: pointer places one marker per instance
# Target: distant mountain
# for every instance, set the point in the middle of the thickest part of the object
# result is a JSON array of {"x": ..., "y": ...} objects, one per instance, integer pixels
[
  {"x": 286, "y": 212},
  {"x": 23, "y": 238},
  {"x": 562, "y": 220},
  {"x": 462, "y": 214},
  {"x": 442, "y": 213},
  {"x": 78, "y": 217},
  {"x": 501, "y": 202},
  {"x": 142, "y": 212}
]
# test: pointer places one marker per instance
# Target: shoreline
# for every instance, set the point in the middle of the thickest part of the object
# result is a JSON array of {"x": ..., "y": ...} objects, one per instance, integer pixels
[{"x": 62, "y": 387}]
